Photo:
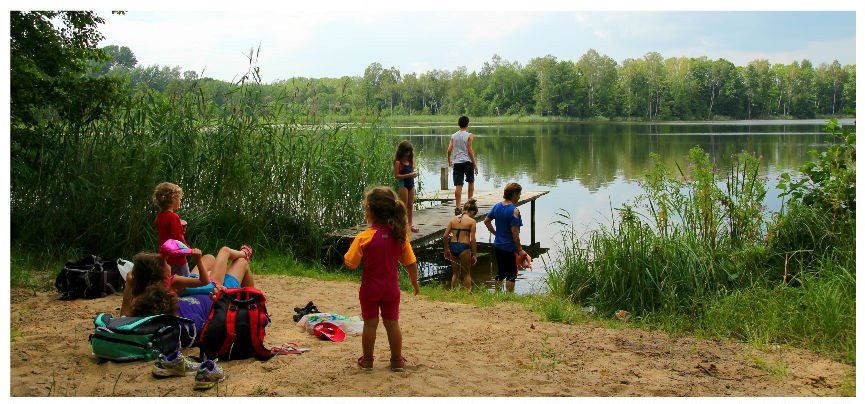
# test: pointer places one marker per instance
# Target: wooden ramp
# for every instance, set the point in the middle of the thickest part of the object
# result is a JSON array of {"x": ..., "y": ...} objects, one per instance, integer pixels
[{"x": 432, "y": 221}]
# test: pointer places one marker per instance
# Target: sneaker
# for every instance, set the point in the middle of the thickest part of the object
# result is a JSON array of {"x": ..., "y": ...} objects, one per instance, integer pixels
[
  {"x": 397, "y": 365},
  {"x": 365, "y": 363},
  {"x": 457, "y": 211},
  {"x": 208, "y": 375},
  {"x": 175, "y": 364}
]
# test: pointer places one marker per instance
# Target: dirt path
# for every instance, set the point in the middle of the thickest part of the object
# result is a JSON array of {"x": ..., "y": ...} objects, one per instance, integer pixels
[{"x": 452, "y": 350}]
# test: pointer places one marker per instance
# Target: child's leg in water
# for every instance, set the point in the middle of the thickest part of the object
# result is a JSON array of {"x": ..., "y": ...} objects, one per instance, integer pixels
[
  {"x": 394, "y": 338},
  {"x": 368, "y": 337}
]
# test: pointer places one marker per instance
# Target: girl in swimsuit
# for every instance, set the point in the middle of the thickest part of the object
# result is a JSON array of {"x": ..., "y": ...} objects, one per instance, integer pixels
[
  {"x": 462, "y": 249},
  {"x": 403, "y": 171}
]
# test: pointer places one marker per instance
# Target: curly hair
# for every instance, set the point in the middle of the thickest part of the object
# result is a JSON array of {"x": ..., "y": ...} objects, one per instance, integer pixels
[
  {"x": 387, "y": 209},
  {"x": 165, "y": 193},
  {"x": 147, "y": 269},
  {"x": 156, "y": 299}
]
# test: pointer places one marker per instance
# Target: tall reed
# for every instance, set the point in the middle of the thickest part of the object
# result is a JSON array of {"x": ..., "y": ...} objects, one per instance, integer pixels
[{"x": 258, "y": 170}]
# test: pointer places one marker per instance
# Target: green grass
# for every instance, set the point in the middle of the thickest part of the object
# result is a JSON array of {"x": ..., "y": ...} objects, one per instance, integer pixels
[{"x": 255, "y": 170}]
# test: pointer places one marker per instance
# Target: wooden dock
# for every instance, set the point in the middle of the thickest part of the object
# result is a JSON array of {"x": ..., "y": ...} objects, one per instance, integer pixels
[{"x": 432, "y": 221}]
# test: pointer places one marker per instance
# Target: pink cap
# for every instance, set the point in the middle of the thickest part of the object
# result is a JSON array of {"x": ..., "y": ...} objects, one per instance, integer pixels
[{"x": 174, "y": 247}]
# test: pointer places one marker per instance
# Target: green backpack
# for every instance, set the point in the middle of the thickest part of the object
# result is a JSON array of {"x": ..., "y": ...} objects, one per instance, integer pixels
[{"x": 134, "y": 338}]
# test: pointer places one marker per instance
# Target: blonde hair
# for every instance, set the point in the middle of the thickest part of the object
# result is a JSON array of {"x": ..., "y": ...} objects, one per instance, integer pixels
[
  {"x": 165, "y": 193},
  {"x": 386, "y": 208}
]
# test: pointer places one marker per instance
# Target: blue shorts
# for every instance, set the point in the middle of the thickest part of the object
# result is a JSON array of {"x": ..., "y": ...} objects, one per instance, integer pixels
[
  {"x": 458, "y": 248},
  {"x": 230, "y": 282}
]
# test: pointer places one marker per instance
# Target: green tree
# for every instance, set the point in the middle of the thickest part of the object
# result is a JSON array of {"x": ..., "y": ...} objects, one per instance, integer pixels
[
  {"x": 118, "y": 57},
  {"x": 50, "y": 54}
]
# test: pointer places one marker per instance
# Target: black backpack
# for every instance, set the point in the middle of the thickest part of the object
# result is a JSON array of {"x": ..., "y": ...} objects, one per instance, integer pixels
[
  {"x": 90, "y": 278},
  {"x": 235, "y": 328}
]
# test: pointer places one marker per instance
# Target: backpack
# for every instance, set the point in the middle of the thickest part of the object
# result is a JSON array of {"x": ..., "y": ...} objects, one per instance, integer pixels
[
  {"x": 235, "y": 328},
  {"x": 90, "y": 278},
  {"x": 132, "y": 338}
]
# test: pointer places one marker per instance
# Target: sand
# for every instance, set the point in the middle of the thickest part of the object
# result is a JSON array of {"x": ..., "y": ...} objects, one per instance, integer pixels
[{"x": 452, "y": 350}]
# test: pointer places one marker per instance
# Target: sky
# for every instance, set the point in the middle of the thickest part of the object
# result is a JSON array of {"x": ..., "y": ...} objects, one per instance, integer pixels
[{"x": 333, "y": 43}]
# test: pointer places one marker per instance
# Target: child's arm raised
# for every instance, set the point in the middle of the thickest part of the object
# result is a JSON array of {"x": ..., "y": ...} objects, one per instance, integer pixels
[{"x": 182, "y": 282}]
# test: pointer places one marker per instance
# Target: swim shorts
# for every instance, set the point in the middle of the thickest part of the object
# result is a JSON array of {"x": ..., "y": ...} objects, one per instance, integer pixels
[
  {"x": 507, "y": 264},
  {"x": 464, "y": 170}
]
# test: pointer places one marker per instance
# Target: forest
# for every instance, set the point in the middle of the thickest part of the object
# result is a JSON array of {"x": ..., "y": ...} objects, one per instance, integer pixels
[{"x": 595, "y": 87}]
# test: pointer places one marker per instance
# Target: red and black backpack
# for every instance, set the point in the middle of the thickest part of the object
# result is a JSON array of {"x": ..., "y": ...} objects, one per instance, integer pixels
[{"x": 235, "y": 328}]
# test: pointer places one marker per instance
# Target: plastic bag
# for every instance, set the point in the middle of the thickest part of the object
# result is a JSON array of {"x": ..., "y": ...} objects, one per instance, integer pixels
[{"x": 349, "y": 325}]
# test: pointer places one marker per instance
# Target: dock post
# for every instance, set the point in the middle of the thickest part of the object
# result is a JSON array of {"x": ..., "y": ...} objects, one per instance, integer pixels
[
  {"x": 444, "y": 178},
  {"x": 533, "y": 221}
]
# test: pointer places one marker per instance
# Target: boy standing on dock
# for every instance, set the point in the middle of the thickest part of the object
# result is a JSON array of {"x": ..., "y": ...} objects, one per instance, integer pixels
[{"x": 464, "y": 163}]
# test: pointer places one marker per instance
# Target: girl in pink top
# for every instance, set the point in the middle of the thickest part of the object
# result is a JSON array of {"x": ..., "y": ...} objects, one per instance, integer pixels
[{"x": 381, "y": 248}]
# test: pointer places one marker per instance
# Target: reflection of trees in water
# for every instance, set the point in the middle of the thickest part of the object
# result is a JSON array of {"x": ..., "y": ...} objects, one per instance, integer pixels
[{"x": 596, "y": 153}]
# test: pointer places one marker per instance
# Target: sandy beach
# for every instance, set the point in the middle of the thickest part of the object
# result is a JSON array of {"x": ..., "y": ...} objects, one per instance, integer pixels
[{"x": 452, "y": 349}]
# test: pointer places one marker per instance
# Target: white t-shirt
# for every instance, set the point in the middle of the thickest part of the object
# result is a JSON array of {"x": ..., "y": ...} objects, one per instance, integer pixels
[{"x": 460, "y": 141}]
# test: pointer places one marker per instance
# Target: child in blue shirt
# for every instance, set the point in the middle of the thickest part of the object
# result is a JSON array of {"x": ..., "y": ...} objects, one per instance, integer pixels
[{"x": 508, "y": 249}]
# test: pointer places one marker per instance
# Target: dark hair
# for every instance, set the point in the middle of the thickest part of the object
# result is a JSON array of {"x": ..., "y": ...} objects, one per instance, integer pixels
[
  {"x": 147, "y": 269},
  {"x": 511, "y": 189},
  {"x": 402, "y": 148},
  {"x": 387, "y": 209},
  {"x": 156, "y": 299},
  {"x": 463, "y": 122},
  {"x": 471, "y": 205}
]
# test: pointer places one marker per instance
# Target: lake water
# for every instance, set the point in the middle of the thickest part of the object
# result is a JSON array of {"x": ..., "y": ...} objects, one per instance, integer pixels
[{"x": 590, "y": 167}]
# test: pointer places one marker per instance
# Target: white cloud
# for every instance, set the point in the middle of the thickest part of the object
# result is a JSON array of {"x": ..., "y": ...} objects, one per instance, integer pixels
[
  {"x": 217, "y": 40},
  {"x": 496, "y": 26}
]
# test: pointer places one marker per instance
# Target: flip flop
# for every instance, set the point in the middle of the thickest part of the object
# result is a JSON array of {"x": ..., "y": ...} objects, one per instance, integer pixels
[
  {"x": 248, "y": 251},
  {"x": 288, "y": 348}
]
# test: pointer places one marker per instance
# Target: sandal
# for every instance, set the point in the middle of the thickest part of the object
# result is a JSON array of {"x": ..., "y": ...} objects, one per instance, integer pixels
[
  {"x": 288, "y": 348},
  {"x": 248, "y": 251},
  {"x": 414, "y": 229},
  {"x": 365, "y": 363},
  {"x": 397, "y": 365}
]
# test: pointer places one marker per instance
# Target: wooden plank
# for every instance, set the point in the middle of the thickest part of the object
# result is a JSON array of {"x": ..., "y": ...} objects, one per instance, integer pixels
[{"x": 432, "y": 221}]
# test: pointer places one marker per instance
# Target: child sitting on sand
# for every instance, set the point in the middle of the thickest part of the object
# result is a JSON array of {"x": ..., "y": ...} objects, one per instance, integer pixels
[
  {"x": 462, "y": 250},
  {"x": 381, "y": 248},
  {"x": 213, "y": 273}
]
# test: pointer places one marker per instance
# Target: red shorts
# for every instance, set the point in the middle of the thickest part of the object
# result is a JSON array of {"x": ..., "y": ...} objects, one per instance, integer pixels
[{"x": 374, "y": 299}]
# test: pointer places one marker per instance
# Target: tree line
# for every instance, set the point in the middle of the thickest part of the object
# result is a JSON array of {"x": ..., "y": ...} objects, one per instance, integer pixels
[{"x": 594, "y": 87}]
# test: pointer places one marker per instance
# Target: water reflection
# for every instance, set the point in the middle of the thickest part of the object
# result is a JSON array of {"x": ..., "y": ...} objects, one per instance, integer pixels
[{"x": 592, "y": 168}]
